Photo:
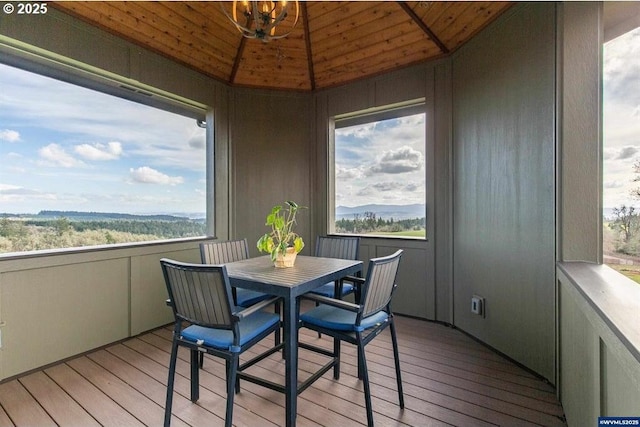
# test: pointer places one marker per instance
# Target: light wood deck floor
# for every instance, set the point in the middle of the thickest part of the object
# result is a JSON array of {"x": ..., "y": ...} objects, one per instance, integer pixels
[{"x": 448, "y": 378}]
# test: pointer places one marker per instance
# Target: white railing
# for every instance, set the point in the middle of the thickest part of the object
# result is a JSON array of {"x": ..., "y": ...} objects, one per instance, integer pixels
[{"x": 599, "y": 343}]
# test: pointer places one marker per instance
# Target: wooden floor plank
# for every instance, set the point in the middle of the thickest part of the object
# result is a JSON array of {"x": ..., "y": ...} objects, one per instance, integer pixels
[
  {"x": 182, "y": 407},
  {"x": 5, "y": 421},
  {"x": 99, "y": 405},
  {"x": 21, "y": 407},
  {"x": 136, "y": 403},
  {"x": 143, "y": 383},
  {"x": 448, "y": 377},
  {"x": 60, "y": 406}
]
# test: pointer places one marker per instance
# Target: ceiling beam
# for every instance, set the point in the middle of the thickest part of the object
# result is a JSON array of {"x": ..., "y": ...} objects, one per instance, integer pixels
[
  {"x": 423, "y": 26},
  {"x": 238, "y": 59},
  {"x": 307, "y": 39}
]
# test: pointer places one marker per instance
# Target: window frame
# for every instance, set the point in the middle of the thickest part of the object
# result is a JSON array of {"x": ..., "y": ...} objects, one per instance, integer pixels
[
  {"x": 35, "y": 60},
  {"x": 386, "y": 112}
]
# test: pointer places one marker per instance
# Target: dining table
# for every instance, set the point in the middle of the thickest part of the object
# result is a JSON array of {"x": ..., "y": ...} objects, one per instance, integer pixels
[{"x": 289, "y": 283}]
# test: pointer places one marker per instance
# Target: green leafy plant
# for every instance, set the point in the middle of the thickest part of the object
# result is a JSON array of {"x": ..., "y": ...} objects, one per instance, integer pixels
[{"x": 282, "y": 222}]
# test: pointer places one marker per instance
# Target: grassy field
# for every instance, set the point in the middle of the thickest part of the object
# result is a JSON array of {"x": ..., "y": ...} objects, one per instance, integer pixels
[{"x": 406, "y": 233}]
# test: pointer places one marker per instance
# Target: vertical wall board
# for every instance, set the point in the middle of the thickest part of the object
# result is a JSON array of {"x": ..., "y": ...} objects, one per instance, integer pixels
[
  {"x": 414, "y": 295},
  {"x": 222, "y": 166},
  {"x": 620, "y": 392},
  {"x": 271, "y": 149},
  {"x": 441, "y": 214},
  {"x": 579, "y": 359},
  {"x": 416, "y": 82},
  {"x": 504, "y": 186},
  {"x": 580, "y": 132},
  {"x": 56, "y": 312},
  {"x": 149, "y": 292}
]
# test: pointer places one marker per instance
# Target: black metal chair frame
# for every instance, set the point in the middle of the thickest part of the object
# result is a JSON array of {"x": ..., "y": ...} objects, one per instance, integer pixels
[
  {"x": 231, "y": 321},
  {"x": 230, "y": 251},
  {"x": 345, "y": 247},
  {"x": 361, "y": 338}
]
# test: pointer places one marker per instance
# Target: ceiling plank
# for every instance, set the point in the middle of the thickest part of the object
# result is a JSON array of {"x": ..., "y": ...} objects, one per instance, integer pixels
[{"x": 335, "y": 42}]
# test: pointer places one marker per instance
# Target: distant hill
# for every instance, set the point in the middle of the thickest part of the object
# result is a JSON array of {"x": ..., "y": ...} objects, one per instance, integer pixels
[
  {"x": 383, "y": 211},
  {"x": 102, "y": 216}
]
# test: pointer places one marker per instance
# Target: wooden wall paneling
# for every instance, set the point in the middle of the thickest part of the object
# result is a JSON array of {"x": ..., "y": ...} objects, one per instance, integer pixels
[
  {"x": 56, "y": 312},
  {"x": 504, "y": 198},
  {"x": 271, "y": 150}
]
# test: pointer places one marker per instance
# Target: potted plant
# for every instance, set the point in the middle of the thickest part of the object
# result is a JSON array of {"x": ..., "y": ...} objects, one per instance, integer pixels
[{"x": 282, "y": 243}]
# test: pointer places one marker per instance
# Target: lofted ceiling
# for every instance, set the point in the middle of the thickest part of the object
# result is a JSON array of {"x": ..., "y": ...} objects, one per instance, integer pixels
[{"x": 333, "y": 42}]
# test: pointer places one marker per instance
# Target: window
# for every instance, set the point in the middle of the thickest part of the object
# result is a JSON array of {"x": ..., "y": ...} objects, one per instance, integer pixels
[
  {"x": 379, "y": 173},
  {"x": 621, "y": 166},
  {"x": 80, "y": 167}
]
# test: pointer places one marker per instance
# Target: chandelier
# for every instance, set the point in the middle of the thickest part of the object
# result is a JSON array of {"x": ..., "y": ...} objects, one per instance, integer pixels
[{"x": 264, "y": 20}]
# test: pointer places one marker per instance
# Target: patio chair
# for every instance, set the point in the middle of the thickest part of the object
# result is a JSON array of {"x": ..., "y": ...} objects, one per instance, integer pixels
[
  {"x": 345, "y": 247},
  {"x": 359, "y": 323},
  {"x": 200, "y": 295},
  {"x": 230, "y": 251}
]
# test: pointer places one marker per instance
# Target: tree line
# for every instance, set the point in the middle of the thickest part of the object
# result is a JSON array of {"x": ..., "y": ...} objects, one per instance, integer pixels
[
  {"x": 369, "y": 222},
  {"x": 18, "y": 235},
  {"x": 625, "y": 222}
]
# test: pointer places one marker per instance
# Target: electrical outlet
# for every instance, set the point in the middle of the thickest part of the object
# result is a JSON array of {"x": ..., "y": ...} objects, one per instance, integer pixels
[{"x": 477, "y": 305}]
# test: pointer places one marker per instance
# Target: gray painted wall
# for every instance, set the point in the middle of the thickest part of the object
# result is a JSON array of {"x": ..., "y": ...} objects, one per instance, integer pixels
[
  {"x": 504, "y": 185},
  {"x": 491, "y": 201},
  {"x": 271, "y": 148},
  {"x": 580, "y": 132}
]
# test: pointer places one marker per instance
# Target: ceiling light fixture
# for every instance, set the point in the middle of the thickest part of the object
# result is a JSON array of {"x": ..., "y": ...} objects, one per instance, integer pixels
[{"x": 264, "y": 20}]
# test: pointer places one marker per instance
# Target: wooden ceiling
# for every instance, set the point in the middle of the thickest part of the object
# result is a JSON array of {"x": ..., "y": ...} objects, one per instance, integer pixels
[{"x": 333, "y": 42}]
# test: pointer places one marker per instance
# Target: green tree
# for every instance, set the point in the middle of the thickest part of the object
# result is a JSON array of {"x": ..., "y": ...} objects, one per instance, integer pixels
[
  {"x": 625, "y": 222},
  {"x": 62, "y": 225}
]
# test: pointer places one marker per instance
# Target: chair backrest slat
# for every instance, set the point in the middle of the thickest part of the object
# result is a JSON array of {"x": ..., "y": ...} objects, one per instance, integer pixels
[
  {"x": 224, "y": 252},
  {"x": 345, "y": 247},
  {"x": 381, "y": 278},
  {"x": 199, "y": 294}
]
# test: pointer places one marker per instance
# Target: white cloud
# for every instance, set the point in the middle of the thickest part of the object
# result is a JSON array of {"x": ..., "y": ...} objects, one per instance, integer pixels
[
  {"x": 9, "y": 135},
  {"x": 147, "y": 175},
  {"x": 108, "y": 151},
  {"x": 404, "y": 159},
  {"x": 343, "y": 173},
  {"x": 55, "y": 155}
]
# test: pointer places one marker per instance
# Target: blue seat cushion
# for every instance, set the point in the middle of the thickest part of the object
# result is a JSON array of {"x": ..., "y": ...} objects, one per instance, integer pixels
[
  {"x": 329, "y": 317},
  {"x": 250, "y": 327},
  {"x": 329, "y": 289},
  {"x": 247, "y": 298}
]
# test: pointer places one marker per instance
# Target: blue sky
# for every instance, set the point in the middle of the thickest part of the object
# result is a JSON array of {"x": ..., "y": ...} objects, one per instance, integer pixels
[
  {"x": 382, "y": 162},
  {"x": 75, "y": 149},
  {"x": 63, "y": 147},
  {"x": 621, "y": 93}
]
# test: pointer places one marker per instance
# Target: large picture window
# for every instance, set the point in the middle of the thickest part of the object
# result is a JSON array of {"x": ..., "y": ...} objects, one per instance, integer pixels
[
  {"x": 621, "y": 152},
  {"x": 79, "y": 167},
  {"x": 379, "y": 173}
]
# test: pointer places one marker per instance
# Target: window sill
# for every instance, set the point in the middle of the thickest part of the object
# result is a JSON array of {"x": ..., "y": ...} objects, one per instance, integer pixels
[{"x": 614, "y": 297}]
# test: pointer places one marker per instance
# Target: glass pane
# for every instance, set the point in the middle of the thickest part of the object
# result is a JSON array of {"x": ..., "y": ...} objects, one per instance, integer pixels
[
  {"x": 79, "y": 167},
  {"x": 621, "y": 166},
  {"x": 380, "y": 178}
]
